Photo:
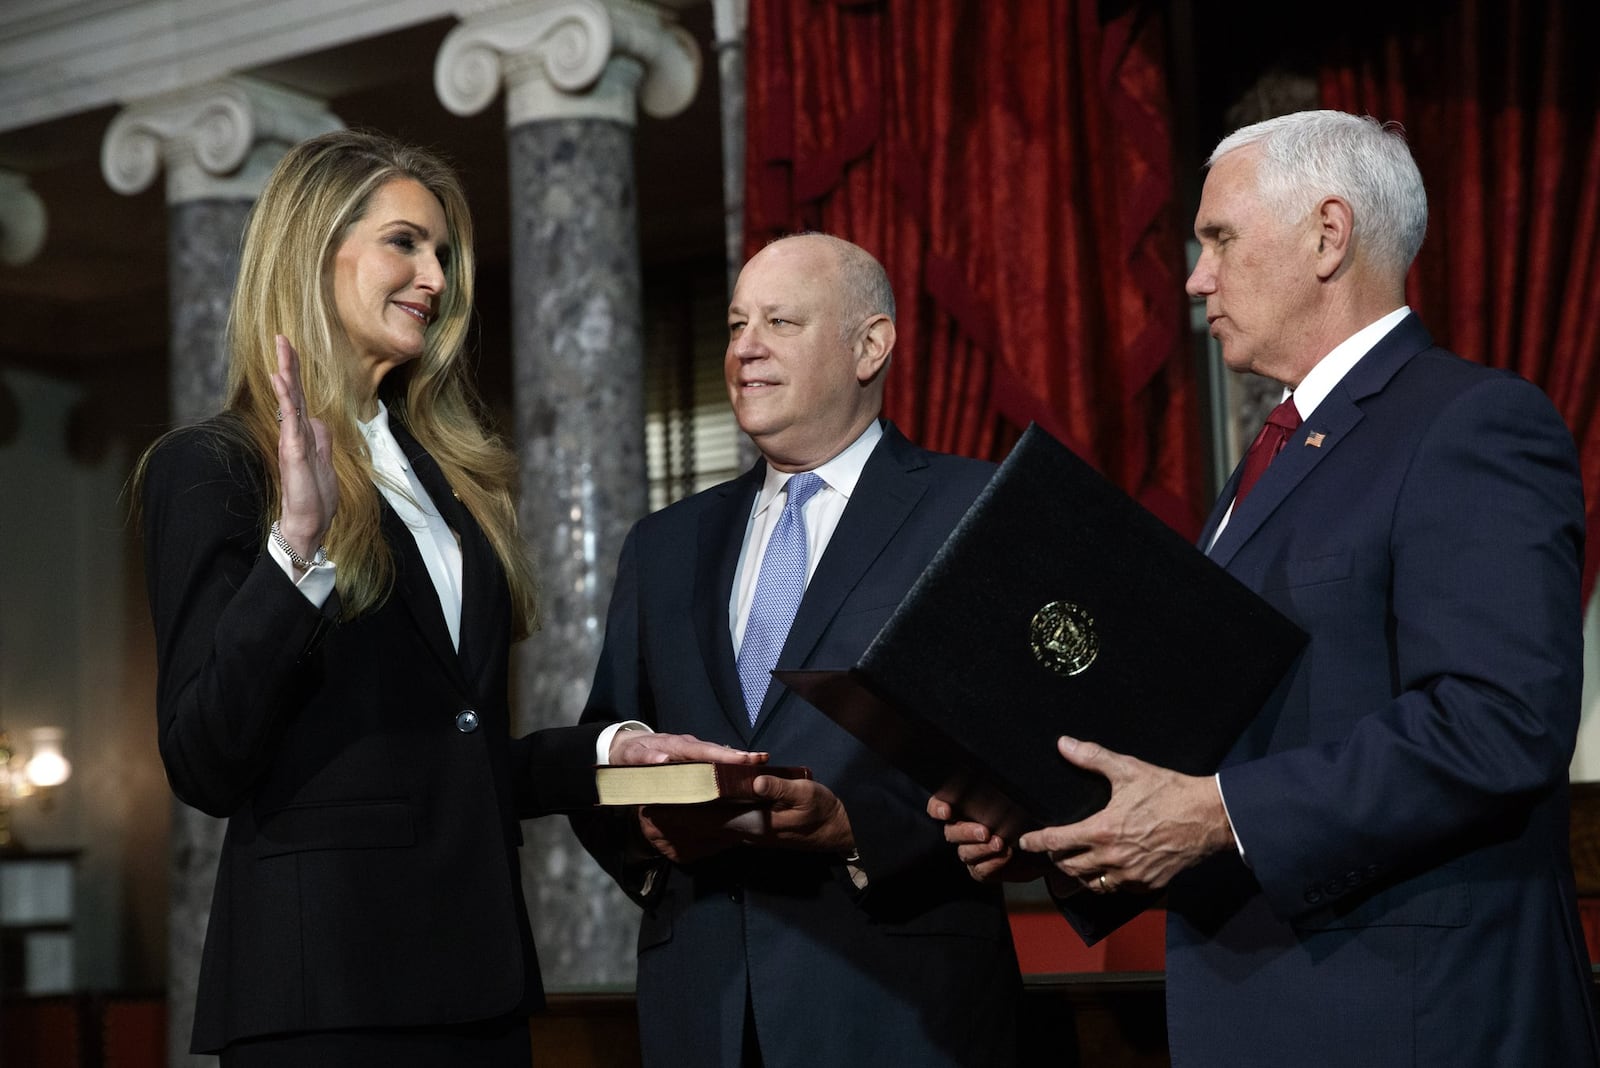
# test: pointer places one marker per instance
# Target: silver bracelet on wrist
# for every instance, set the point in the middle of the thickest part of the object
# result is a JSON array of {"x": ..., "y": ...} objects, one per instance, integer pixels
[{"x": 318, "y": 558}]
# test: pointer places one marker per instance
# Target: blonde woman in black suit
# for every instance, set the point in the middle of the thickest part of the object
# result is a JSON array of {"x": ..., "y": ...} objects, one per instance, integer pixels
[{"x": 336, "y": 575}]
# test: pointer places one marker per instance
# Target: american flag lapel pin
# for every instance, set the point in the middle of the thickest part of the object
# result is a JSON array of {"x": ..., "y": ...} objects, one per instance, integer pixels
[{"x": 1315, "y": 439}]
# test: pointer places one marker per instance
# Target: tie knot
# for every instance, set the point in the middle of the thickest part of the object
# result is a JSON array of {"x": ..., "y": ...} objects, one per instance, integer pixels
[
  {"x": 1285, "y": 415},
  {"x": 801, "y": 488}
]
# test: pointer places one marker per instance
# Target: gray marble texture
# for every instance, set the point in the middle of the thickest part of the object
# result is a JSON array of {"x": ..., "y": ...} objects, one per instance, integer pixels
[
  {"x": 731, "y": 81},
  {"x": 578, "y": 372},
  {"x": 203, "y": 261}
]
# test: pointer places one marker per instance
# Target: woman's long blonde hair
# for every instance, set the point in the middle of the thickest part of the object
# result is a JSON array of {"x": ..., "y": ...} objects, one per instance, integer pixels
[{"x": 285, "y": 286}]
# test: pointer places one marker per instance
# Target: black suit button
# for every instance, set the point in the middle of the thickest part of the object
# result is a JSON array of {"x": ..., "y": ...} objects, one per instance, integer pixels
[
  {"x": 467, "y": 721},
  {"x": 736, "y": 894}
]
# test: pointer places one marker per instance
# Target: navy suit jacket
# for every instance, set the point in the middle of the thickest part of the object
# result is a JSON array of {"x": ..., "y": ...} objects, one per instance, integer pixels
[
  {"x": 919, "y": 968},
  {"x": 1407, "y": 896},
  {"x": 369, "y": 876}
]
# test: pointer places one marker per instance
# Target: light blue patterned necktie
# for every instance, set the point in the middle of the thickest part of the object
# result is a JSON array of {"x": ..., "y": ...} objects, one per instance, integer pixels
[{"x": 778, "y": 590}]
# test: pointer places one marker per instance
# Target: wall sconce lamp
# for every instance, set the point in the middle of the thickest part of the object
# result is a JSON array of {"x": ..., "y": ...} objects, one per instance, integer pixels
[{"x": 34, "y": 773}]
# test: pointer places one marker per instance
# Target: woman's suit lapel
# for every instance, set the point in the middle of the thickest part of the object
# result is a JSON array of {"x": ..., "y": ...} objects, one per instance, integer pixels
[{"x": 484, "y": 603}]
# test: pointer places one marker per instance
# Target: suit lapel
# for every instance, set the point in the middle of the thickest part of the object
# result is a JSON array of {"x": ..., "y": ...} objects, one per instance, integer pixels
[
  {"x": 480, "y": 571},
  {"x": 884, "y": 497},
  {"x": 719, "y": 540},
  {"x": 1317, "y": 439},
  {"x": 1219, "y": 508},
  {"x": 1334, "y": 418},
  {"x": 413, "y": 588}
]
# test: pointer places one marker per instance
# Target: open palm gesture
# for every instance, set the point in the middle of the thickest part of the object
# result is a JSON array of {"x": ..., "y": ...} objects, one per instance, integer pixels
[{"x": 310, "y": 490}]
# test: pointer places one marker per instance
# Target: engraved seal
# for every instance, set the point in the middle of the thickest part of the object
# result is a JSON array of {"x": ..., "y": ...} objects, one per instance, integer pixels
[{"x": 1063, "y": 638}]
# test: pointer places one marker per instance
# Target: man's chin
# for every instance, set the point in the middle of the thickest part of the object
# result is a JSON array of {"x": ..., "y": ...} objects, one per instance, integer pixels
[
  {"x": 1236, "y": 361},
  {"x": 753, "y": 420}
]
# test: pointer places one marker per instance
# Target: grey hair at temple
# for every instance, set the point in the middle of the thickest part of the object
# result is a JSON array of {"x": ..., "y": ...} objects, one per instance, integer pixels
[{"x": 1308, "y": 155}]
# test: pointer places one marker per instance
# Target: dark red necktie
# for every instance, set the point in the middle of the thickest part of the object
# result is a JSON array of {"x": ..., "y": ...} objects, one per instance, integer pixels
[{"x": 1284, "y": 421}]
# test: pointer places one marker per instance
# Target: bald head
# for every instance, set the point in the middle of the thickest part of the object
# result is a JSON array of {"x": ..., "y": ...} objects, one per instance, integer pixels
[
  {"x": 862, "y": 282},
  {"x": 810, "y": 329}
]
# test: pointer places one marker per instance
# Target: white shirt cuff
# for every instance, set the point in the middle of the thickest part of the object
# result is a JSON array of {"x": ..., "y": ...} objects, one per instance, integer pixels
[
  {"x": 317, "y": 581},
  {"x": 602, "y": 745},
  {"x": 1239, "y": 842}
]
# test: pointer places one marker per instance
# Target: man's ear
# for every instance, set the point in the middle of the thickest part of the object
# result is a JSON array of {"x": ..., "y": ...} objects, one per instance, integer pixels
[
  {"x": 1335, "y": 232},
  {"x": 872, "y": 351}
]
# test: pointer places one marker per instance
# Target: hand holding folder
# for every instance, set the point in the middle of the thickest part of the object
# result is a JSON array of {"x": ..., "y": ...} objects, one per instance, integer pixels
[{"x": 1058, "y": 606}]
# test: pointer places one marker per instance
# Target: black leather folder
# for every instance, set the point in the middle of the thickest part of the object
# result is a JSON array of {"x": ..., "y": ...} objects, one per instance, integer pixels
[{"x": 1057, "y": 606}]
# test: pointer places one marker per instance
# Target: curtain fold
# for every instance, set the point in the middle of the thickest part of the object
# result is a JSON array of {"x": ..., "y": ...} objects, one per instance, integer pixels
[
  {"x": 1501, "y": 105},
  {"x": 1010, "y": 163}
]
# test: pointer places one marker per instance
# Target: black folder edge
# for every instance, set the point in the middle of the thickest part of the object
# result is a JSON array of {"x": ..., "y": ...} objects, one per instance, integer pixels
[
  {"x": 927, "y": 755},
  {"x": 939, "y": 766}
]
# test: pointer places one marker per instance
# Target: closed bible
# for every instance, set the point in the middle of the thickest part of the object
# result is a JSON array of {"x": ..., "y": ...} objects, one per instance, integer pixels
[
  {"x": 689, "y": 783},
  {"x": 1058, "y": 605}
]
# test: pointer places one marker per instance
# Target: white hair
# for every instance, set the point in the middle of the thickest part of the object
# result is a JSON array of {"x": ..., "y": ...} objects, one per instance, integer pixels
[{"x": 1308, "y": 155}]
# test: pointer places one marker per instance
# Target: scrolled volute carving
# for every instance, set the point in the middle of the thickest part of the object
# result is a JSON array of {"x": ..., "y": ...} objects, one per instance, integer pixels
[
  {"x": 568, "y": 59},
  {"x": 23, "y": 220},
  {"x": 672, "y": 63},
  {"x": 209, "y": 137},
  {"x": 566, "y": 42}
]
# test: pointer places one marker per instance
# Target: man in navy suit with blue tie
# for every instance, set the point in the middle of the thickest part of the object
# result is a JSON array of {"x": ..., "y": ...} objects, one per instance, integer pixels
[
  {"x": 1379, "y": 874},
  {"x": 830, "y": 924}
]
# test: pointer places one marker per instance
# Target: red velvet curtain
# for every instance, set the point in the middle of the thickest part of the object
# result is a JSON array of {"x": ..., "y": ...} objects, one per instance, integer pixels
[
  {"x": 1010, "y": 163},
  {"x": 1501, "y": 104}
]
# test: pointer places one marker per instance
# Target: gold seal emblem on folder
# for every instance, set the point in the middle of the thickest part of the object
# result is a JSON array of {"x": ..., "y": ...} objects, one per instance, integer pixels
[{"x": 1063, "y": 638}]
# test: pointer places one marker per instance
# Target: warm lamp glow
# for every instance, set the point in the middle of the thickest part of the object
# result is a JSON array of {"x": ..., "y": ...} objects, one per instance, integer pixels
[{"x": 46, "y": 767}]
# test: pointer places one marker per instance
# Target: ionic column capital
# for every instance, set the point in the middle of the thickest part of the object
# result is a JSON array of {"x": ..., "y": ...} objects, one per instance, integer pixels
[
  {"x": 22, "y": 220},
  {"x": 564, "y": 59},
  {"x": 220, "y": 139}
]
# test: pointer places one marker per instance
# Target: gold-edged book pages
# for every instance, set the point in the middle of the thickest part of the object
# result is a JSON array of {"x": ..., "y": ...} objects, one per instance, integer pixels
[{"x": 685, "y": 783}]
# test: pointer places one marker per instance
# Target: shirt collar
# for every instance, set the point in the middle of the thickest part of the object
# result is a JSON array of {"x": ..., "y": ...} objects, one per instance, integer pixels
[
  {"x": 1331, "y": 369},
  {"x": 380, "y": 440},
  {"x": 378, "y": 424},
  {"x": 840, "y": 473}
]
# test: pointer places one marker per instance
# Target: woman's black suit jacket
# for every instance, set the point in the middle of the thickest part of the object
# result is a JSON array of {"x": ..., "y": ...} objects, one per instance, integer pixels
[{"x": 369, "y": 875}]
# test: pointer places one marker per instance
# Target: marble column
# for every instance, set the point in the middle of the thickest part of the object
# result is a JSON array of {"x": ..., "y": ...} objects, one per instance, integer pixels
[
  {"x": 730, "y": 18},
  {"x": 574, "y": 72},
  {"x": 217, "y": 143}
]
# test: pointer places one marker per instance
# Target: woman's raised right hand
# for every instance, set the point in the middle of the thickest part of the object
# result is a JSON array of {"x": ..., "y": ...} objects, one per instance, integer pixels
[{"x": 305, "y": 469}]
